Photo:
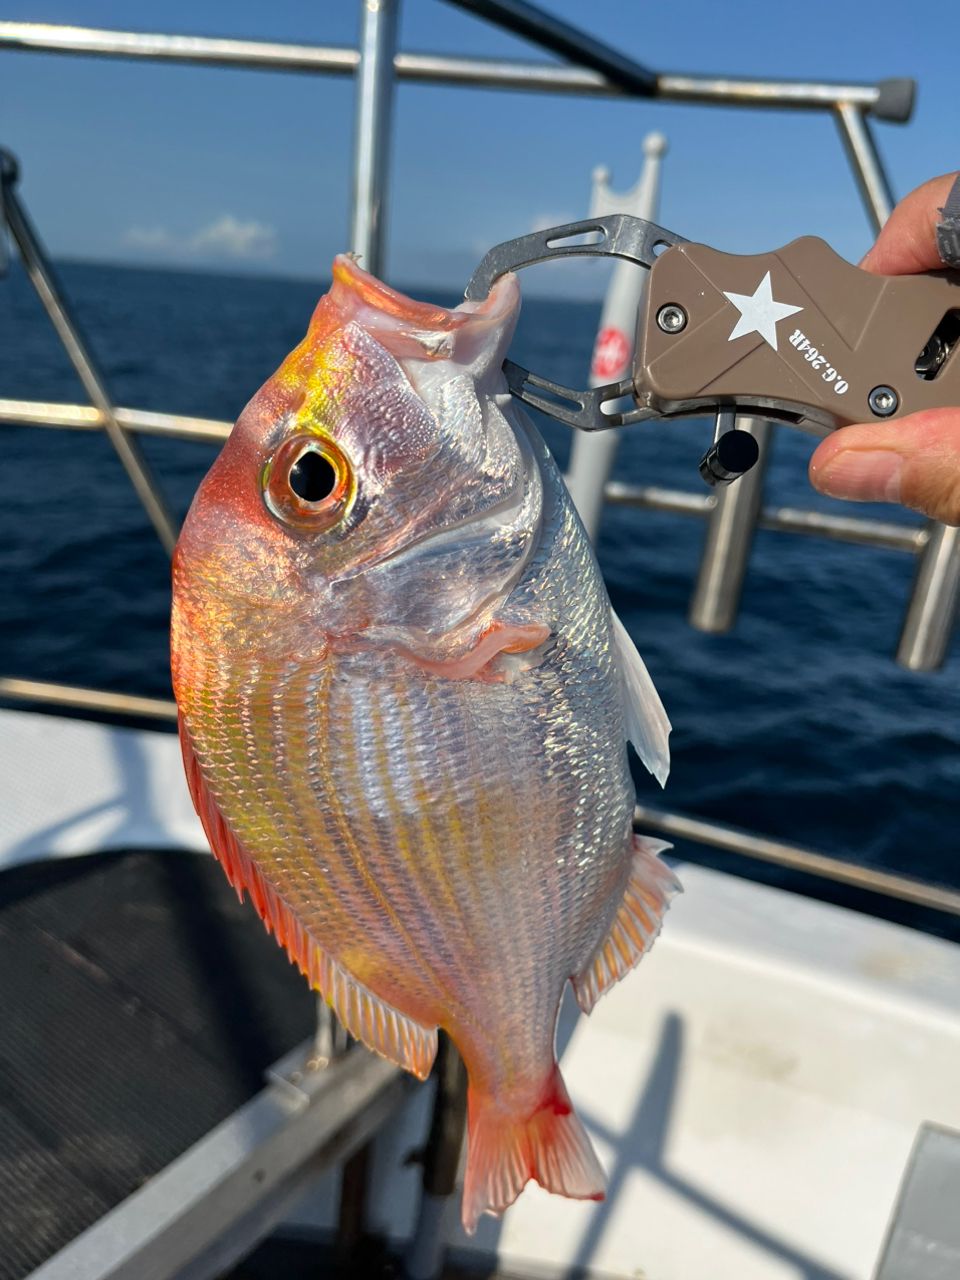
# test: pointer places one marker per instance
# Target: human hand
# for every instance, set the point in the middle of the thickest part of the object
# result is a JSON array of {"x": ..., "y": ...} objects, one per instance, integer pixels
[{"x": 915, "y": 460}]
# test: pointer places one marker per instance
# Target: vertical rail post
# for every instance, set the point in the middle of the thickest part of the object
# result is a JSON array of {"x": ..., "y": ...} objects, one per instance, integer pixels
[
  {"x": 371, "y": 155},
  {"x": 730, "y": 530},
  {"x": 861, "y": 149},
  {"x": 441, "y": 1162},
  {"x": 371, "y": 152},
  {"x": 374, "y": 105},
  {"x": 928, "y": 623},
  {"x": 592, "y": 456},
  {"x": 41, "y": 276},
  {"x": 378, "y": 45}
]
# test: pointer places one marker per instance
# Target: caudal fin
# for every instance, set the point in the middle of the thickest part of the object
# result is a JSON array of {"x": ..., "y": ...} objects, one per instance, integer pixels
[{"x": 505, "y": 1151}]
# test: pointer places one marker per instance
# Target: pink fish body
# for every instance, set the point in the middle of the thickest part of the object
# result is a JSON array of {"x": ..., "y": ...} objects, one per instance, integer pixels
[{"x": 405, "y": 704}]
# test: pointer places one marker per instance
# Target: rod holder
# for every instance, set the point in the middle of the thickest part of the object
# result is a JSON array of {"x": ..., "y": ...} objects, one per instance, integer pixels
[
  {"x": 928, "y": 623},
  {"x": 374, "y": 115},
  {"x": 730, "y": 530},
  {"x": 592, "y": 455}
]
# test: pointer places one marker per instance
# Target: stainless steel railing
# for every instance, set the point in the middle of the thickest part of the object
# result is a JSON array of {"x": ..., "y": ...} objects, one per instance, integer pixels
[
  {"x": 593, "y": 69},
  {"x": 44, "y": 281},
  {"x": 890, "y": 100},
  {"x": 84, "y": 417},
  {"x": 888, "y": 535},
  {"x": 683, "y": 826},
  {"x": 781, "y": 854}
]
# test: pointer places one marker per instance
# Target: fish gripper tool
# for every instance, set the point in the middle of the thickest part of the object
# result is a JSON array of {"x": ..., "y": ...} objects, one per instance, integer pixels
[{"x": 798, "y": 335}]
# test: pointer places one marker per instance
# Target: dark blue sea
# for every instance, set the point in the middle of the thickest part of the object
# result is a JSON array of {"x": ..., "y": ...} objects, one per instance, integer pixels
[{"x": 798, "y": 724}]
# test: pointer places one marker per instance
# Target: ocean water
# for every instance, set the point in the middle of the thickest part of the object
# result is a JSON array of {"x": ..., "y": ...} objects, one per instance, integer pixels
[{"x": 797, "y": 725}]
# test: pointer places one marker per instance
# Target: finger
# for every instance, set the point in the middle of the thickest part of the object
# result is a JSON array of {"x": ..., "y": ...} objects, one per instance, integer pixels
[
  {"x": 907, "y": 243},
  {"x": 915, "y": 461}
]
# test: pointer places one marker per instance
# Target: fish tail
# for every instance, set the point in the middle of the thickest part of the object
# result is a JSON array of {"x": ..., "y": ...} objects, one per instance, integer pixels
[{"x": 505, "y": 1151}]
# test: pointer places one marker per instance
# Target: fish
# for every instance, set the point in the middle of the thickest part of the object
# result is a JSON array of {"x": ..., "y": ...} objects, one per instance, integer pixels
[{"x": 404, "y": 705}]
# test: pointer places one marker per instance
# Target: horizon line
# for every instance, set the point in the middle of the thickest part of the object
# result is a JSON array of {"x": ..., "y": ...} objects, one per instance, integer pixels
[{"x": 411, "y": 288}]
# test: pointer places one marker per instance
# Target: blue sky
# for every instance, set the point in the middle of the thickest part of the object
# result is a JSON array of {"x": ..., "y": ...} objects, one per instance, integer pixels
[{"x": 240, "y": 170}]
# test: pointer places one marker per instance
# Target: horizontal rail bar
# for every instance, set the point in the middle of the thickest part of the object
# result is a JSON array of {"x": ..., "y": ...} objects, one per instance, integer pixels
[
  {"x": 656, "y": 498},
  {"x": 732, "y": 840},
  {"x": 742, "y": 91},
  {"x": 489, "y": 73},
  {"x": 65, "y": 695},
  {"x": 84, "y": 417},
  {"x": 675, "y": 824},
  {"x": 49, "y": 37},
  {"x": 854, "y": 529}
]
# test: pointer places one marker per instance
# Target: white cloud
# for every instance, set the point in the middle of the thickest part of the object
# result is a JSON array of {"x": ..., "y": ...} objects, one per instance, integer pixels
[
  {"x": 235, "y": 239},
  {"x": 225, "y": 237}
]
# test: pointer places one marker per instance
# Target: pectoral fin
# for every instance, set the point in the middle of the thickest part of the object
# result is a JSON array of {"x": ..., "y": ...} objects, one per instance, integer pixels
[
  {"x": 483, "y": 661},
  {"x": 647, "y": 725}
]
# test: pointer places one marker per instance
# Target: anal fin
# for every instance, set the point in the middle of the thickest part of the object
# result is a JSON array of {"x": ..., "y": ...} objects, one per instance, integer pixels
[
  {"x": 651, "y": 886},
  {"x": 366, "y": 1017}
]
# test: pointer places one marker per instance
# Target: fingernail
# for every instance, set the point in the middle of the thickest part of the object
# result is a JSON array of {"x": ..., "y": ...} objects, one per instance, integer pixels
[{"x": 863, "y": 475}]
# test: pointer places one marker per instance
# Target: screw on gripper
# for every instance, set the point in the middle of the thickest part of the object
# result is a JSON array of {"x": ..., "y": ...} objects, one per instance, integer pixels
[{"x": 883, "y": 401}]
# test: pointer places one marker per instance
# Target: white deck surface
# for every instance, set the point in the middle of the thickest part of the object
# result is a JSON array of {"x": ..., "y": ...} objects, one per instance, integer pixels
[
  {"x": 71, "y": 787},
  {"x": 754, "y": 1088}
]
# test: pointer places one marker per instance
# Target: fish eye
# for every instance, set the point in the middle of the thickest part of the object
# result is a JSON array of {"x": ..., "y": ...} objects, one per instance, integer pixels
[
  {"x": 313, "y": 476},
  {"x": 308, "y": 483}
]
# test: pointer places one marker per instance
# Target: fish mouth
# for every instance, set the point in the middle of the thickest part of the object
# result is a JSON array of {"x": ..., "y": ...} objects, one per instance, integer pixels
[{"x": 423, "y": 330}]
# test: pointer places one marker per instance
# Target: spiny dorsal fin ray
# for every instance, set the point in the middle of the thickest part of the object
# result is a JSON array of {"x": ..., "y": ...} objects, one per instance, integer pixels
[{"x": 366, "y": 1017}]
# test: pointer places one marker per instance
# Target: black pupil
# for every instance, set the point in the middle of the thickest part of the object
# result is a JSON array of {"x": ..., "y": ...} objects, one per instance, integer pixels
[{"x": 313, "y": 477}]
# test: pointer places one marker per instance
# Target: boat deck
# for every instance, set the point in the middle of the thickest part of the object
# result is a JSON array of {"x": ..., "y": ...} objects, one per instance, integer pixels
[{"x": 141, "y": 1005}]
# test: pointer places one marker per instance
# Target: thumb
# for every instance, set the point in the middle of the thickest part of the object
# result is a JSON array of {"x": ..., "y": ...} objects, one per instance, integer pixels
[{"x": 914, "y": 461}]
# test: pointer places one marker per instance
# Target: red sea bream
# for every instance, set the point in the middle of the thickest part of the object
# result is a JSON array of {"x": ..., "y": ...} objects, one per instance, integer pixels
[{"x": 405, "y": 703}]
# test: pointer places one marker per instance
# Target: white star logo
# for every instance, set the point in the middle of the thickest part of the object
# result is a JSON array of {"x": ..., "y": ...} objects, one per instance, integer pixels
[{"x": 759, "y": 313}]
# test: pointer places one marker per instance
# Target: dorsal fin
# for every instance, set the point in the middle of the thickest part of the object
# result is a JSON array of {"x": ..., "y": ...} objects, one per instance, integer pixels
[{"x": 367, "y": 1018}]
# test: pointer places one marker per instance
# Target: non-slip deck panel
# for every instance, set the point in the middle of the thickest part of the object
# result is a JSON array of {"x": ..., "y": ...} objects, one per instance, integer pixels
[{"x": 139, "y": 1005}]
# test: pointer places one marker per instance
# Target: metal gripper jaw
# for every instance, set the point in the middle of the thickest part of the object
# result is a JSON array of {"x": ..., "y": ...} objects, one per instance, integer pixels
[{"x": 798, "y": 335}]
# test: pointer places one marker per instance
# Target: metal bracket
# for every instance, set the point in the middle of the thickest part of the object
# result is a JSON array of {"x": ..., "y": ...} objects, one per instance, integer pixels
[
  {"x": 580, "y": 409},
  {"x": 620, "y": 235},
  {"x": 208, "y": 1208}
]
